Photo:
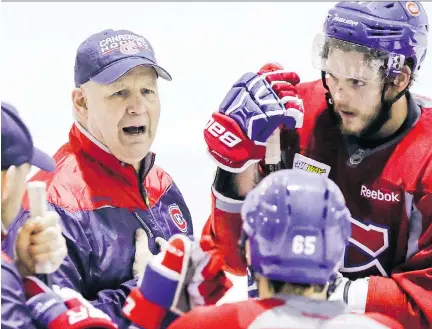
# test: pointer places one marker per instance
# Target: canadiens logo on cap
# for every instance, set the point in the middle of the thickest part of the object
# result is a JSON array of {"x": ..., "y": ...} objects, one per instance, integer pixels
[
  {"x": 177, "y": 217},
  {"x": 412, "y": 8},
  {"x": 127, "y": 44},
  {"x": 129, "y": 48}
]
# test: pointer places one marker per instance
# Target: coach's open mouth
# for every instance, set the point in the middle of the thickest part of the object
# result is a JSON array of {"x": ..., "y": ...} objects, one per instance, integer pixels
[{"x": 134, "y": 130}]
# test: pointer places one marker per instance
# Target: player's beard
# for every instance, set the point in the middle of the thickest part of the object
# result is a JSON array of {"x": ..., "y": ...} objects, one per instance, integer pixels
[{"x": 373, "y": 123}]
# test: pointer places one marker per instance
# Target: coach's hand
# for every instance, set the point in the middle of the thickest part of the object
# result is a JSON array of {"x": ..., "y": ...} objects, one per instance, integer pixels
[{"x": 143, "y": 254}]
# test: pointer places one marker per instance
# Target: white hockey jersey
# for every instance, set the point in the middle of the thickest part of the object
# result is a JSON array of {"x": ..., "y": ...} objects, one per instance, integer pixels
[{"x": 281, "y": 312}]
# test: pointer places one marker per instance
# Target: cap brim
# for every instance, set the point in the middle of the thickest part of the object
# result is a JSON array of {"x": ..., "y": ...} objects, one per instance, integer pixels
[
  {"x": 42, "y": 160},
  {"x": 116, "y": 70}
]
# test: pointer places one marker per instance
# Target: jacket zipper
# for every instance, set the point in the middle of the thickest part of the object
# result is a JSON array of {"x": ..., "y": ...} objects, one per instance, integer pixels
[
  {"x": 149, "y": 232},
  {"x": 147, "y": 203}
]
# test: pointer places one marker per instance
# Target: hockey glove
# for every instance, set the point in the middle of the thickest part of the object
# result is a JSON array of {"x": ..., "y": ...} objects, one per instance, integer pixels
[
  {"x": 255, "y": 106},
  {"x": 163, "y": 285},
  {"x": 64, "y": 309}
]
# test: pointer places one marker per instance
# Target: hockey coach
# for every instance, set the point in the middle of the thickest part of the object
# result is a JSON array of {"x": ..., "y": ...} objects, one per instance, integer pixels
[{"x": 114, "y": 202}]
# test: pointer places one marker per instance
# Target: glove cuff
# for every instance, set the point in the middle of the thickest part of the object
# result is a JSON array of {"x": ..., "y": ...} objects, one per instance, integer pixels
[
  {"x": 143, "y": 312},
  {"x": 81, "y": 317},
  {"x": 159, "y": 285},
  {"x": 227, "y": 204},
  {"x": 45, "y": 308},
  {"x": 223, "y": 184}
]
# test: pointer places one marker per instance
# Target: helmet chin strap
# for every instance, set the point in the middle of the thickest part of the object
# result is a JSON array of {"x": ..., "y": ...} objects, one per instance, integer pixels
[{"x": 384, "y": 113}]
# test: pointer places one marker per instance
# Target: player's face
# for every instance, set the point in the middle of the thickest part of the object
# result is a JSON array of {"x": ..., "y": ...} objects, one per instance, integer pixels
[
  {"x": 357, "y": 97},
  {"x": 13, "y": 187},
  {"x": 125, "y": 114}
]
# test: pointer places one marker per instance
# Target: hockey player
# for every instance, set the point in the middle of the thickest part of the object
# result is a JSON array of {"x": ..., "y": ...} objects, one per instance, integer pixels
[
  {"x": 295, "y": 229},
  {"x": 114, "y": 202},
  {"x": 362, "y": 128},
  {"x": 39, "y": 240}
]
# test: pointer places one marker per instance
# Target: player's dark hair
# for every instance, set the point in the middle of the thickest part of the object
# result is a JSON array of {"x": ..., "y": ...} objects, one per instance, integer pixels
[
  {"x": 369, "y": 55},
  {"x": 294, "y": 288}
]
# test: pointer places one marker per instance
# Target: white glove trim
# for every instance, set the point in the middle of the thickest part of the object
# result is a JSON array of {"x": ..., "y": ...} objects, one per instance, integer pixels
[
  {"x": 234, "y": 170},
  {"x": 226, "y": 204}
]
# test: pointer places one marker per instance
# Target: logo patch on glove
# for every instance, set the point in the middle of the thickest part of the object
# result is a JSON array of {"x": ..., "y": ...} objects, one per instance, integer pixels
[
  {"x": 177, "y": 217},
  {"x": 224, "y": 135}
]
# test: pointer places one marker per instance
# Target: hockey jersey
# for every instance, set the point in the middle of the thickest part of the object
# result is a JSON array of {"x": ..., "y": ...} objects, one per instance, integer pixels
[
  {"x": 388, "y": 190},
  {"x": 284, "y": 312}
]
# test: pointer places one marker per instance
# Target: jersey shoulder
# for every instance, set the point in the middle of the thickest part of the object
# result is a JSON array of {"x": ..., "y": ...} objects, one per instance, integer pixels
[
  {"x": 314, "y": 101},
  {"x": 411, "y": 160},
  {"x": 362, "y": 321},
  {"x": 422, "y": 100},
  {"x": 234, "y": 316}
]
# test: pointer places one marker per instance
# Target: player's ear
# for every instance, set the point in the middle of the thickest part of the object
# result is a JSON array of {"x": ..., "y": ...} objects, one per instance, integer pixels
[
  {"x": 403, "y": 79},
  {"x": 8, "y": 181},
  {"x": 13, "y": 187},
  {"x": 79, "y": 102},
  {"x": 3, "y": 183}
]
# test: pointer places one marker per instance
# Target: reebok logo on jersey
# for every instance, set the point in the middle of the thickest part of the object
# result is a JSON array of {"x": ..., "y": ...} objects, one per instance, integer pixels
[
  {"x": 378, "y": 195},
  {"x": 346, "y": 21},
  {"x": 307, "y": 164}
]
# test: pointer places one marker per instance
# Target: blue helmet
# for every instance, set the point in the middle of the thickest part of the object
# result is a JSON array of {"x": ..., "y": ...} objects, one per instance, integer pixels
[
  {"x": 394, "y": 31},
  {"x": 399, "y": 27},
  {"x": 297, "y": 225}
]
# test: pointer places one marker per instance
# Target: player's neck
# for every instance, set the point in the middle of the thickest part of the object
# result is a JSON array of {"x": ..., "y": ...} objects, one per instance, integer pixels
[
  {"x": 266, "y": 291},
  {"x": 309, "y": 293},
  {"x": 399, "y": 112}
]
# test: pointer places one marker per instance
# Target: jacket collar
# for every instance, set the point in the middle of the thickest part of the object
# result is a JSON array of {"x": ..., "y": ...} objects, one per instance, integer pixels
[{"x": 82, "y": 141}]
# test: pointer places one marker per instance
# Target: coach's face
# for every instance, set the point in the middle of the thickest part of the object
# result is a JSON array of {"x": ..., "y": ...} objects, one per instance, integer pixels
[{"x": 124, "y": 115}]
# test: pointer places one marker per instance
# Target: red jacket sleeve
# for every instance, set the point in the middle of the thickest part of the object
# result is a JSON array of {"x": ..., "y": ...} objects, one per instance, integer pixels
[
  {"x": 224, "y": 226},
  {"x": 407, "y": 295}
]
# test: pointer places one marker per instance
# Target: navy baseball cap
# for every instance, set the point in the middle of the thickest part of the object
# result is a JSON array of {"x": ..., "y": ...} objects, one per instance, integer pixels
[
  {"x": 108, "y": 55},
  {"x": 17, "y": 144}
]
